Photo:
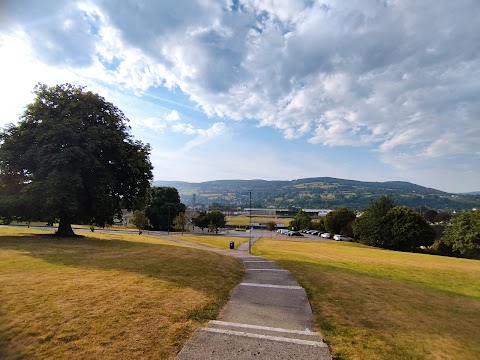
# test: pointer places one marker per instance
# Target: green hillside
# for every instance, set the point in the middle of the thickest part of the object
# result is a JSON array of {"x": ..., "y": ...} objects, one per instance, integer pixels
[{"x": 321, "y": 192}]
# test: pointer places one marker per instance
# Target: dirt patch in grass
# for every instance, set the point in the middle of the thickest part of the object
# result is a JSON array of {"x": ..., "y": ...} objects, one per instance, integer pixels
[
  {"x": 372, "y": 304},
  {"x": 108, "y": 297}
]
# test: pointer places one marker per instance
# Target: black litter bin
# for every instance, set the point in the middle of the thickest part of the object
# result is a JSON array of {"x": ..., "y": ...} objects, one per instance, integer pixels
[{"x": 232, "y": 245}]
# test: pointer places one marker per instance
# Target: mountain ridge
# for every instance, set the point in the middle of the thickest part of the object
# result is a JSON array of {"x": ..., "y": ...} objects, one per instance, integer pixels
[{"x": 316, "y": 192}]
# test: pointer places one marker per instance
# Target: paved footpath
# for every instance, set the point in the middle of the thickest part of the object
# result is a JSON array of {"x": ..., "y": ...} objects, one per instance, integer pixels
[{"x": 268, "y": 316}]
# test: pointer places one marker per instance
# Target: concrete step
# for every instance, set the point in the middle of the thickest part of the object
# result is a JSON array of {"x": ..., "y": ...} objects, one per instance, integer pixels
[
  {"x": 239, "y": 341},
  {"x": 280, "y": 333}
]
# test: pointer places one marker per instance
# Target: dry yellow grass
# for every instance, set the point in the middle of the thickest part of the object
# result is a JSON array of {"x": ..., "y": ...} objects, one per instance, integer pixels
[
  {"x": 105, "y": 296},
  {"x": 220, "y": 242},
  {"x": 378, "y": 304},
  {"x": 244, "y": 220}
]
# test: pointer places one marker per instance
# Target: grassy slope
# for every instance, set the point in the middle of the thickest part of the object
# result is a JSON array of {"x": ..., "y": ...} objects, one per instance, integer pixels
[
  {"x": 377, "y": 304},
  {"x": 107, "y": 296},
  {"x": 220, "y": 242}
]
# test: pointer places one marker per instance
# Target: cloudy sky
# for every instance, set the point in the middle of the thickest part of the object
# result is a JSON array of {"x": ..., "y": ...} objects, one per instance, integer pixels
[{"x": 370, "y": 90}]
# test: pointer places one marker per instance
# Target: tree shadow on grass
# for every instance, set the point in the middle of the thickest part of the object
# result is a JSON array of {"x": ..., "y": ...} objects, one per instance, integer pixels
[{"x": 186, "y": 267}]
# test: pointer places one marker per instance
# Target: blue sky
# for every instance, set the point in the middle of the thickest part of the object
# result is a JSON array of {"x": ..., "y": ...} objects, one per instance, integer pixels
[{"x": 273, "y": 89}]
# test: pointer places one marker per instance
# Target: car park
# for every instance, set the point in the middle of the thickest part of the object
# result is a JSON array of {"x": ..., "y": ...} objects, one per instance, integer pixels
[{"x": 294, "y": 233}]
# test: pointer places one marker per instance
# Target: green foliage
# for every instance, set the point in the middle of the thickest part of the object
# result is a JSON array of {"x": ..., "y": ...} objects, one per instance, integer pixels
[
  {"x": 407, "y": 230},
  {"x": 71, "y": 157},
  {"x": 301, "y": 221},
  {"x": 371, "y": 227},
  {"x": 321, "y": 193},
  {"x": 340, "y": 221},
  {"x": 180, "y": 222},
  {"x": 463, "y": 234},
  {"x": 389, "y": 227},
  {"x": 201, "y": 220},
  {"x": 319, "y": 224},
  {"x": 163, "y": 207},
  {"x": 212, "y": 220},
  {"x": 139, "y": 220},
  {"x": 271, "y": 226}
]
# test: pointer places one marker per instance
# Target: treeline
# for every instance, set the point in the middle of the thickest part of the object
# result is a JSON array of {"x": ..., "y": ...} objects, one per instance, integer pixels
[
  {"x": 324, "y": 192},
  {"x": 385, "y": 225}
]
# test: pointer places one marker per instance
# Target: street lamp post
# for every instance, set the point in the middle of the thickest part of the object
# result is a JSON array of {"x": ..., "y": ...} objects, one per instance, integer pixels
[
  {"x": 168, "y": 221},
  {"x": 250, "y": 232}
]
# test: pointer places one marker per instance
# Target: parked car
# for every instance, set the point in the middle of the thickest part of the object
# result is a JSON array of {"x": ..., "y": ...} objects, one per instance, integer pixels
[
  {"x": 342, "y": 238},
  {"x": 294, "y": 233},
  {"x": 326, "y": 235}
]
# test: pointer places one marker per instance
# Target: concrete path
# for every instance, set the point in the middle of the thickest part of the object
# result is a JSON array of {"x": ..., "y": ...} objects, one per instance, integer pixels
[{"x": 268, "y": 316}]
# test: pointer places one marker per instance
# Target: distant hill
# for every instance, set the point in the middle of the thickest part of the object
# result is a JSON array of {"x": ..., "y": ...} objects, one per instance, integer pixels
[{"x": 321, "y": 192}]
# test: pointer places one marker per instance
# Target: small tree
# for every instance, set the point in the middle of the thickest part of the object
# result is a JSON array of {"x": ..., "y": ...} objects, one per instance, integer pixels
[
  {"x": 271, "y": 226},
  {"x": 139, "y": 220},
  {"x": 340, "y": 221},
  {"x": 463, "y": 234},
  {"x": 217, "y": 219},
  {"x": 301, "y": 221},
  {"x": 201, "y": 220},
  {"x": 180, "y": 222},
  {"x": 163, "y": 207}
]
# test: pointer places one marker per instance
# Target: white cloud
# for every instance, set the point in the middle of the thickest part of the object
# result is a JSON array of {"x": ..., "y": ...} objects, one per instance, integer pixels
[
  {"x": 398, "y": 77},
  {"x": 149, "y": 123},
  {"x": 206, "y": 135},
  {"x": 173, "y": 116},
  {"x": 184, "y": 128}
]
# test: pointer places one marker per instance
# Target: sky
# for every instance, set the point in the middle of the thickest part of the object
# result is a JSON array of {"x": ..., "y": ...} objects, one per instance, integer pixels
[{"x": 371, "y": 90}]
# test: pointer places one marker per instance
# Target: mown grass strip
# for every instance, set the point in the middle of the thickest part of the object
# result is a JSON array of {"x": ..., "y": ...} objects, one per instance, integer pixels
[
  {"x": 216, "y": 241},
  {"x": 105, "y": 295},
  {"x": 378, "y": 304}
]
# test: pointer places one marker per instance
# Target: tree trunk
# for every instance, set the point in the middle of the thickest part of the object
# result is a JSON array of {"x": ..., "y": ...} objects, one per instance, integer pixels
[{"x": 65, "y": 228}]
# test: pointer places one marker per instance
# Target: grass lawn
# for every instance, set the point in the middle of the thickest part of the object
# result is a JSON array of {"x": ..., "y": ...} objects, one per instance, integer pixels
[
  {"x": 105, "y": 296},
  {"x": 378, "y": 304},
  {"x": 217, "y": 241},
  {"x": 244, "y": 220}
]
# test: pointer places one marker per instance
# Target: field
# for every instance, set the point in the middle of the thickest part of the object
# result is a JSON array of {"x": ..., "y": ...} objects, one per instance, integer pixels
[
  {"x": 220, "y": 242},
  {"x": 244, "y": 220},
  {"x": 105, "y": 296},
  {"x": 378, "y": 304}
]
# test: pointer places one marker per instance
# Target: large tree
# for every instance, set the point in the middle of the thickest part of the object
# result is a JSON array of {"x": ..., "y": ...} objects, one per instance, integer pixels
[
  {"x": 340, "y": 221},
  {"x": 71, "y": 157},
  {"x": 370, "y": 227},
  {"x": 407, "y": 230},
  {"x": 463, "y": 234},
  {"x": 164, "y": 206}
]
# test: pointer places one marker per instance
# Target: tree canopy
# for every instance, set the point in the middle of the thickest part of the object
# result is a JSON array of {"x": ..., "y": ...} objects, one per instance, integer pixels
[
  {"x": 393, "y": 227},
  {"x": 213, "y": 220},
  {"x": 163, "y": 207},
  {"x": 463, "y": 234},
  {"x": 407, "y": 230},
  {"x": 71, "y": 158},
  {"x": 370, "y": 227},
  {"x": 301, "y": 221},
  {"x": 340, "y": 221}
]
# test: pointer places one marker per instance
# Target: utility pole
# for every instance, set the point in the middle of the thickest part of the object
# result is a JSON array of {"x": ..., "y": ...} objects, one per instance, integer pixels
[
  {"x": 168, "y": 222},
  {"x": 250, "y": 232}
]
